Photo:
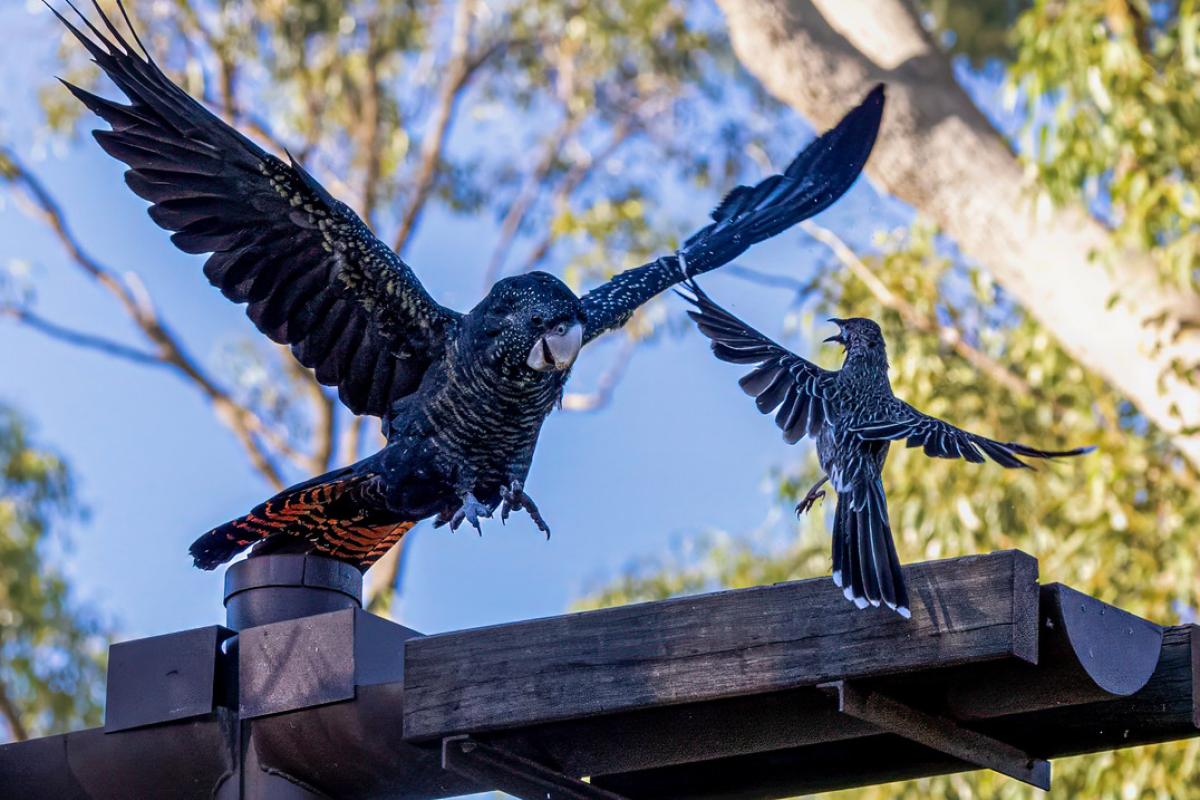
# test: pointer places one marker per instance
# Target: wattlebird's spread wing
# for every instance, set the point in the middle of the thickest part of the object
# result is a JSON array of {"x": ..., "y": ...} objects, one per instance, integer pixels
[
  {"x": 899, "y": 420},
  {"x": 781, "y": 380},
  {"x": 749, "y": 214},
  {"x": 312, "y": 273}
]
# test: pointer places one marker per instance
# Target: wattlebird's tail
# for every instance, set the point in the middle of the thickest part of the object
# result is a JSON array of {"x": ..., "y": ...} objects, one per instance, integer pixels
[
  {"x": 865, "y": 563},
  {"x": 337, "y": 514}
]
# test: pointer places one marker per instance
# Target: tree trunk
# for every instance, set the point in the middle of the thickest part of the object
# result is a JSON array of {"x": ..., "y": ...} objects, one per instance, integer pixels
[{"x": 938, "y": 153}]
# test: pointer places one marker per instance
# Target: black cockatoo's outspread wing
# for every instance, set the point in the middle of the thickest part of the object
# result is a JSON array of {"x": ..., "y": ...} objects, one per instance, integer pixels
[
  {"x": 898, "y": 420},
  {"x": 782, "y": 380},
  {"x": 312, "y": 273},
  {"x": 749, "y": 214}
]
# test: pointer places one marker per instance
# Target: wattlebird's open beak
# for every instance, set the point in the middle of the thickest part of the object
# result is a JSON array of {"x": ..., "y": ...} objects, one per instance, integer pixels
[
  {"x": 837, "y": 338},
  {"x": 556, "y": 350}
]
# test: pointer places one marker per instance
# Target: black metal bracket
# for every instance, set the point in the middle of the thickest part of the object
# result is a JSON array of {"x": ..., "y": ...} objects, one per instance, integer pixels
[
  {"x": 939, "y": 733},
  {"x": 161, "y": 679},
  {"x": 496, "y": 768}
]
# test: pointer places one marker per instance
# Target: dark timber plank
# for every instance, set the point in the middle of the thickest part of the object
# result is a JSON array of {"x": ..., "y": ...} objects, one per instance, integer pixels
[
  {"x": 726, "y": 644},
  {"x": 683, "y": 734},
  {"x": 1088, "y": 651},
  {"x": 512, "y": 774},
  {"x": 940, "y": 733},
  {"x": 1167, "y": 708}
]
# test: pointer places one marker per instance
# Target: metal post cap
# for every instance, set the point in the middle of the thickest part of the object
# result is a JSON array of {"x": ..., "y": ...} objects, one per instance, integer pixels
[{"x": 273, "y": 588}]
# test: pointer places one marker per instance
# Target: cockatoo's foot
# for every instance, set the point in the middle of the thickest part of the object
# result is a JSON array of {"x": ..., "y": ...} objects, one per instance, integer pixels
[
  {"x": 471, "y": 511},
  {"x": 513, "y": 498}
]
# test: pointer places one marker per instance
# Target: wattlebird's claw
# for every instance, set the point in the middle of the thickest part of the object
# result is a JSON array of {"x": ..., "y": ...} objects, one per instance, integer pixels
[
  {"x": 470, "y": 511},
  {"x": 808, "y": 502},
  {"x": 810, "y": 499},
  {"x": 513, "y": 498}
]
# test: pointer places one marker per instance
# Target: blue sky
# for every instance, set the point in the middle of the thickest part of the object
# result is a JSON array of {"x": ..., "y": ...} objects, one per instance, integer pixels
[{"x": 679, "y": 451}]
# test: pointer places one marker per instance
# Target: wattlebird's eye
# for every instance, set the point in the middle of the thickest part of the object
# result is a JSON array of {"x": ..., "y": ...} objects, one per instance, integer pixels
[{"x": 560, "y": 329}]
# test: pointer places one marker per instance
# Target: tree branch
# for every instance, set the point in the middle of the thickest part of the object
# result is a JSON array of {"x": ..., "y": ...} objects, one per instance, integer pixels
[
  {"x": 383, "y": 581},
  {"x": 371, "y": 124},
  {"x": 802, "y": 289},
  {"x": 573, "y": 179},
  {"x": 12, "y": 716},
  {"x": 88, "y": 341},
  {"x": 324, "y": 417},
  {"x": 527, "y": 196},
  {"x": 220, "y": 50},
  {"x": 454, "y": 79},
  {"x": 947, "y": 334},
  {"x": 134, "y": 300},
  {"x": 601, "y": 396}
]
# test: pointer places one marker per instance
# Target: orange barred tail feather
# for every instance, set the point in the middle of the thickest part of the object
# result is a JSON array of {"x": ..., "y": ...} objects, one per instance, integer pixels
[
  {"x": 219, "y": 545},
  {"x": 339, "y": 514}
]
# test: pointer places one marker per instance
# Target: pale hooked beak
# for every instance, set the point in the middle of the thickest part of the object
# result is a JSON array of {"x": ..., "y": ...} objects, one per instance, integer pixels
[
  {"x": 838, "y": 337},
  {"x": 556, "y": 349}
]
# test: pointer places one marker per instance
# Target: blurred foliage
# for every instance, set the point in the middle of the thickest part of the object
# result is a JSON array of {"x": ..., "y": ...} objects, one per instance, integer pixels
[
  {"x": 51, "y": 649},
  {"x": 1122, "y": 80},
  {"x": 981, "y": 30},
  {"x": 1118, "y": 524}
]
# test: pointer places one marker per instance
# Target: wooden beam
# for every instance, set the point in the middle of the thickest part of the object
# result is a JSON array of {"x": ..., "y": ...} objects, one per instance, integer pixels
[
  {"x": 706, "y": 697},
  {"x": 940, "y": 733},
  {"x": 186, "y": 759},
  {"x": 721, "y": 645},
  {"x": 792, "y": 772},
  {"x": 1088, "y": 651},
  {"x": 1167, "y": 708},
  {"x": 520, "y": 777},
  {"x": 684, "y": 734}
]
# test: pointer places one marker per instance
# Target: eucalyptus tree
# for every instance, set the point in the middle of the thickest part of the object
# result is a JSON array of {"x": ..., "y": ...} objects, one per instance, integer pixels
[
  {"x": 1059, "y": 292},
  {"x": 51, "y": 645}
]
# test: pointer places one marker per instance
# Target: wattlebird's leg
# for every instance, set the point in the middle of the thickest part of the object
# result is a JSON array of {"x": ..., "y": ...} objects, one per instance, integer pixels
[
  {"x": 513, "y": 498},
  {"x": 470, "y": 510},
  {"x": 814, "y": 494}
]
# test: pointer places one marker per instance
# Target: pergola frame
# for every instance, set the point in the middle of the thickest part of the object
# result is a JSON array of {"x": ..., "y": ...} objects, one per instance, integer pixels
[{"x": 755, "y": 693}]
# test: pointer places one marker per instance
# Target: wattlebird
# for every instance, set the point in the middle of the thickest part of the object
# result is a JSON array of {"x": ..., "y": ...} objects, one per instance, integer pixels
[
  {"x": 462, "y": 396},
  {"x": 854, "y": 417}
]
